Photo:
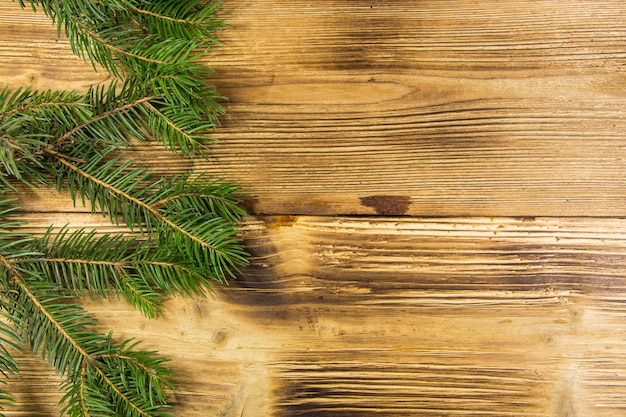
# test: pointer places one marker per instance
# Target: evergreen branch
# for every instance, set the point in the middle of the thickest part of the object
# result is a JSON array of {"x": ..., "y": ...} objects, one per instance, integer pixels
[
  {"x": 123, "y": 50},
  {"x": 204, "y": 193},
  {"x": 31, "y": 127},
  {"x": 189, "y": 225},
  {"x": 160, "y": 16},
  {"x": 167, "y": 125},
  {"x": 29, "y": 120},
  {"x": 185, "y": 109},
  {"x": 189, "y": 19},
  {"x": 182, "y": 86},
  {"x": 110, "y": 187},
  {"x": 107, "y": 33},
  {"x": 212, "y": 242},
  {"x": 107, "y": 115},
  {"x": 83, "y": 262},
  {"x": 143, "y": 109},
  {"x": 60, "y": 332},
  {"x": 9, "y": 338},
  {"x": 107, "y": 45},
  {"x": 47, "y": 104},
  {"x": 8, "y": 366},
  {"x": 51, "y": 151},
  {"x": 82, "y": 396},
  {"x": 18, "y": 158},
  {"x": 101, "y": 44},
  {"x": 9, "y": 241},
  {"x": 72, "y": 318},
  {"x": 141, "y": 296}
]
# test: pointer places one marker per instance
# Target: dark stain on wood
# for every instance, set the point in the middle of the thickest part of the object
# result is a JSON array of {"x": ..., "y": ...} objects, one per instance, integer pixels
[
  {"x": 387, "y": 205},
  {"x": 350, "y": 390},
  {"x": 276, "y": 222},
  {"x": 250, "y": 204}
]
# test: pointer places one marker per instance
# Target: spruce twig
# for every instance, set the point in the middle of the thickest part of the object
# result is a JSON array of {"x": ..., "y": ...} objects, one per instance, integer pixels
[{"x": 185, "y": 227}]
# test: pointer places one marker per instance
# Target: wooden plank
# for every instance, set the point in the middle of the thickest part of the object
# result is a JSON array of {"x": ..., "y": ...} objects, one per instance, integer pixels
[
  {"x": 506, "y": 108},
  {"x": 341, "y": 316},
  {"x": 455, "y": 108}
]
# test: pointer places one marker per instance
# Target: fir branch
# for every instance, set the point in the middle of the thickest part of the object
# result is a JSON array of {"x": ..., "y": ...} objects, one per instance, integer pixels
[
  {"x": 9, "y": 339},
  {"x": 60, "y": 331},
  {"x": 188, "y": 224},
  {"x": 43, "y": 105},
  {"x": 10, "y": 243},
  {"x": 177, "y": 130},
  {"x": 189, "y": 20},
  {"x": 146, "y": 109},
  {"x": 110, "y": 110},
  {"x": 33, "y": 123},
  {"x": 112, "y": 186},
  {"x": 204, "y": 193},
  {"x": 119, "y": 35},
  {"x": 29, "y": 120},
  {"x": 101, "y": 266}
]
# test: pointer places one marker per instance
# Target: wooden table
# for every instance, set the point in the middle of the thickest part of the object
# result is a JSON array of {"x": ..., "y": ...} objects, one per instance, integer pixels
[{"x": 437, "y": 213}]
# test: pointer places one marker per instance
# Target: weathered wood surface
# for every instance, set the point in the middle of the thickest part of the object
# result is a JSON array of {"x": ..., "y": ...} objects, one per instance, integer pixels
[
  {"x": 496, "y": 126},
  {"x": 456, "y": 107},
  {"x": 452, "y": 316}
]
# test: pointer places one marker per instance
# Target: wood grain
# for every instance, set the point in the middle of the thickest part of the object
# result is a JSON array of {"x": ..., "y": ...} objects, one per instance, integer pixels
[
  {"x": 467, "y": 163},
  {"x": 475, "y": 108},
  {"x": 395, "y": 317},
  {"x": 459, "y": 108}
]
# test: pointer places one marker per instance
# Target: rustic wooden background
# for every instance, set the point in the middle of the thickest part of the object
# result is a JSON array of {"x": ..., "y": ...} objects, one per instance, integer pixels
[{"x": 438, "y": 214}]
